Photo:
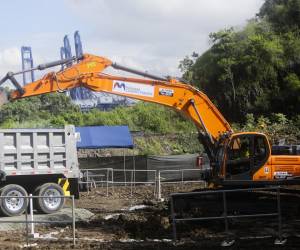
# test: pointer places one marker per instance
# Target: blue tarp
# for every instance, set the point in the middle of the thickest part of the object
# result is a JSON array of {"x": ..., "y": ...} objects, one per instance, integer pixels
[{"x": 104, "y": 137}]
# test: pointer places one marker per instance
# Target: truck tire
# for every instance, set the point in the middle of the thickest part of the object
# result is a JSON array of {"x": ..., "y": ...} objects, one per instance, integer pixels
[
  {"x": 49, "y": 204},
  {"x": 13, "y": 206}
]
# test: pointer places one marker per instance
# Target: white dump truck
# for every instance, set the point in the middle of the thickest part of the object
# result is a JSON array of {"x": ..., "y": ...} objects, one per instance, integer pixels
[{"x": 42, "y": 162}]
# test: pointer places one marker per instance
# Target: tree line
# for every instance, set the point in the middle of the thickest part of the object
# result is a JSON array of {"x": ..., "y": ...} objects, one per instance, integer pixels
[{"x": 255, "y": 69}]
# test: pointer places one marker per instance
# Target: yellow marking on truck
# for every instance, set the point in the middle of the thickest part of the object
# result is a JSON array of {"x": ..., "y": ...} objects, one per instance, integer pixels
[{"x": 65, "y": 185}]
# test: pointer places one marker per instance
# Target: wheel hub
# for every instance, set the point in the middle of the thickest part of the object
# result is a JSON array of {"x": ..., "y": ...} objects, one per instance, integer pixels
[
  {"x": 51, "y": 201},
  {"x": 14, "y": 203}
]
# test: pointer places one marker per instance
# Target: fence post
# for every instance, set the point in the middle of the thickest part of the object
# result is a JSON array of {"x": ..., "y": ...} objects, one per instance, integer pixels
[
  {"x": 124, "y": 167},
  {"x": 112, "y": 180},
  {"x": 227, "y": 242},
  {"x": 225, "y": 212},
  {"x": 182, "y": 178},
  {"x": 31, "y": 214},
  {"x": 158, "y": 186},
  {"x": 73, "y": 219},
  {"x": 87, "y": 181},
  {"x": 133, "y": 159},
  {"x": 173, "y": 219},
  {"x": 107, "y": 178},
  {"x": 155, "y": 184},
  {"x": 280, "y": 240},
  {"x": 32, "y": 234},
  {"x": 102, "y": 181},
  {"x": 279, "y": 215},
  {"x": 27, "y": 231},
  {"x": 131, "y": 182}
]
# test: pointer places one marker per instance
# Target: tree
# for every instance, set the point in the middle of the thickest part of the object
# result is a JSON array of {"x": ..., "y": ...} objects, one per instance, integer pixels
[
  {"x": 252, "y": 70},
  {"x": 37, "y": 107},
  {"x": 284, "y": 15}
]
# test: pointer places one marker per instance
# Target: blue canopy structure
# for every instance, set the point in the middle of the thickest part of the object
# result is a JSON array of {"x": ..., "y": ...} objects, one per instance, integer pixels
[{"x": 104, "y": 137}]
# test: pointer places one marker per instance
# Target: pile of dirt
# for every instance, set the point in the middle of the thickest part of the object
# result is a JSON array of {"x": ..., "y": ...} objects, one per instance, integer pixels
[
  {"x": 137, "y": 221},
  {"x": 81, "y": 215}
]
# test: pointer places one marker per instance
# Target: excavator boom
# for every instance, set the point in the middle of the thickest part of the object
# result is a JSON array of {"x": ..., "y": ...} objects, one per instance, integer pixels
[{"x": 88, "y": 73}]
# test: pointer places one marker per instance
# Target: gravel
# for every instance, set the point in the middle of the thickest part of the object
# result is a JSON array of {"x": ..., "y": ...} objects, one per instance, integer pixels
[{"x": 81, "y": 215}]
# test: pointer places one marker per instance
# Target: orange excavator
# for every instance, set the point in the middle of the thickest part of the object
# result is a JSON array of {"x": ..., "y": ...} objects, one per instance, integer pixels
[{"x": 243, "y": 159}]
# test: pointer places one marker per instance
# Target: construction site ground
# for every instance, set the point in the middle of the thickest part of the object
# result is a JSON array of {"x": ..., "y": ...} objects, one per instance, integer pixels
[{"x": 124, "y": 221}]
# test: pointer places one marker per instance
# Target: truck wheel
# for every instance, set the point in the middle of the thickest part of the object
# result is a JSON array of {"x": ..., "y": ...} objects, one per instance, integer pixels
[
  {"x": 49, "y": 204},
  {"x": 14, "y": 205}
]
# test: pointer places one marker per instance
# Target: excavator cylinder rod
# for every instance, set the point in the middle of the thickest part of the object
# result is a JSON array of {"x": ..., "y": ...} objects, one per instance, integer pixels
[
  {"x": 45, "y": 66},
  {"x": 137, "y": 72},
  {"x": 10, "y": 75},
  {"x": 55, "y": 63}
]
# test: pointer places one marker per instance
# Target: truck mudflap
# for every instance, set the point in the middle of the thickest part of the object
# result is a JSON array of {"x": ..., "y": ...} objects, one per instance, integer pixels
[
  {"x": 70, "y": 186},
  {"x": 65, "y": 185}
]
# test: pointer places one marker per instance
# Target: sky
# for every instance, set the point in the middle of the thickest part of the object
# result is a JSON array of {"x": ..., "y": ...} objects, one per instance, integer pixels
[{"x": 150, "y": 35}]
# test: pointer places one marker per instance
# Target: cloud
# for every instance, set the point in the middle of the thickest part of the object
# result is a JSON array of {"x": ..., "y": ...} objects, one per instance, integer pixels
[
  {"x": 9, "y": 59},
  {"x": 157, "y": 34},
  {"x": 45, "y": 48},
  {"x": 152, "y": 35},
  {"x": 10, "y": 56}
]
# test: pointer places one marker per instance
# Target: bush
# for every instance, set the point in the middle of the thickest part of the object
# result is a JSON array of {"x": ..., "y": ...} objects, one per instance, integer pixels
[{"x": 277, "y": 127}]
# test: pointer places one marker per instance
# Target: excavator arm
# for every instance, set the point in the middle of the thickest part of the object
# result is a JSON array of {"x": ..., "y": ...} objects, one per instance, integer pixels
[{"x": 88, "y": 72}]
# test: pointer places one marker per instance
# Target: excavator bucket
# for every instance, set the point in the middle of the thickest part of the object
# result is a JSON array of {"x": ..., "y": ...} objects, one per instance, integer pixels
[{"x": 3, "y": 97}]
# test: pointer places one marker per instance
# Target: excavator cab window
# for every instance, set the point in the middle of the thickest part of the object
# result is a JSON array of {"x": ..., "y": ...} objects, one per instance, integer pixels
[
  {"x": 246, "y": 153},
  {"x": 239, "y": 155},
  {"x": 260, "y": 151}
]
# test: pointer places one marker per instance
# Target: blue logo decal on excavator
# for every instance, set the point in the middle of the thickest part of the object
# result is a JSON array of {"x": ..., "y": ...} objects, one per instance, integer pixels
[
  {"x": 119, "y": 85},
  {"x": 132, "y": 88}
]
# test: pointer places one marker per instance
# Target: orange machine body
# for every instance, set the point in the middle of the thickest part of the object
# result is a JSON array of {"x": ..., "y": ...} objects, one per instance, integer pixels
[{"x": 279, "y": 167}]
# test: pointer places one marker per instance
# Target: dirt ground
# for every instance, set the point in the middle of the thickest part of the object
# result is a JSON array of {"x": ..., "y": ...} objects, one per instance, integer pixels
[{"x": 138, "y": 221}]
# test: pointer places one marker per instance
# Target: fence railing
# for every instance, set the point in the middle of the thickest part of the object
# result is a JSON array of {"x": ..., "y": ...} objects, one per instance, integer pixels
[
  {"x": 181, "y": 178},
  {"x": 95, "y": 177},
  {"x": 131, "y": 180},
  {"x": 110, "y": 177},
  {"x": 29, "y": 217},
  {"x": 225, "y": 216}
]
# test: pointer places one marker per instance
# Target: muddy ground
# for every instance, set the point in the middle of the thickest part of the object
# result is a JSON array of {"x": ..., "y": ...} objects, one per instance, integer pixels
[{"x": 122, "y": 221}]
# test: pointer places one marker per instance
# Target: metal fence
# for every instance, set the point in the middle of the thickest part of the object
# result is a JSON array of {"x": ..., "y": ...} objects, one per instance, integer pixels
[
  {"x": 128, "y": 177},
  {"x": 29, "y": 217},
  {"x": 225, "y": 216},
  {"x": 109, "y": 177},
  {"x": 178, "y": 177},
  {"x": 97, "y": 177}
]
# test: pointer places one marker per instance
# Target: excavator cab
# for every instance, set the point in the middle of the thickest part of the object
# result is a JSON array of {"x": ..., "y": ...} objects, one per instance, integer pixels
[{"x": 245, "y": 154}]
